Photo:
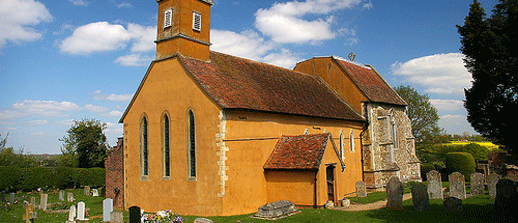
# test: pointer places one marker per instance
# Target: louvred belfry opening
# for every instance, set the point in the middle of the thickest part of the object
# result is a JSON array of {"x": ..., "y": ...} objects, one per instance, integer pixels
[{"x": 183, "y": 29}]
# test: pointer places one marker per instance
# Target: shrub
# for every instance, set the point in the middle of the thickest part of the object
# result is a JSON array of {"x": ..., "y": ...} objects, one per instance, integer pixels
[
  {"x": 461, "y": 162},
  {"x": 36, "y": 177},
  {"x": 10, "y": 178},
  {"x": 63, "y": 177},
  {"x": 425, "y": 168}
]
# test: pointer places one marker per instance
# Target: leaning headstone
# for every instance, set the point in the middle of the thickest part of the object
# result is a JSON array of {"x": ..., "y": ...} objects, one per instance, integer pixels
[
  {"x": 134, "y": 214},
  {"x": 394, "y": 194},
  {"x": 492, "y": 180},
  {"x": 453, "y": 204},
  {"x": 87, "y": 190},
  {"x": 504, "y": 209},
  {"x": 116, "y": 217},
  {"x": 11, "y": 198},
  {"x": 420, "y": 197},
  {"x": 361, "y": 189},
  {"x": 43, "y": 201},
  {"x": 95, "y": 192},
  {"x": 81, "y": 211},
  {"x": 202, "y": 220},
  {"x": 434, "y": 184},
  {"x": 276, "y": 210},
  {"x": 71, "y": 214},
  {"x": 477, "y": 184},
  {"x": 61, "y": 195},
  {"x": 107, "y": 208},
  {"x": 457, "y": 185},
  {"x": 2, "y": 196},
  {"x": 70, "y": 197}
]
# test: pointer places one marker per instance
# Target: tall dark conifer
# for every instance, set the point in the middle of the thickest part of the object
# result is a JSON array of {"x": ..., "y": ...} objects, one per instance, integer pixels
[{"x": 489, "y": 45}]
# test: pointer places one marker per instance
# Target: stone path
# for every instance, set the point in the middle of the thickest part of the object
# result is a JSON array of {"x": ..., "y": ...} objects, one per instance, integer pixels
[{"x": 369, "y": 206}]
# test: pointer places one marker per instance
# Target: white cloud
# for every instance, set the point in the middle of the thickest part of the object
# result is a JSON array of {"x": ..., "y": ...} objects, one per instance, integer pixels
[
  {"x": 96, "y": 109},
  {"x": 17, "y": 17},
  {"x": 103, "y": 36},
  {"x": 284, "y": 59},
  {"x": 67, "y": 122},
  {"x": 439, "y": 73},
  {"x": 447, "y": 104},
  {"x": 38, "y": 122},
  {"x": 45, "y": 108},
  {"x": 98, "y": 95},
  {"x": 78, "y": 2},
  {"x": 285, "y": 22},
  {"x": 134, "y": 60},
  {"x": 124, "y": 5},
  {"x": 247, "y": 44},
  {"x": 113, "y": 113},
  {"x": 455, "y": 124}
]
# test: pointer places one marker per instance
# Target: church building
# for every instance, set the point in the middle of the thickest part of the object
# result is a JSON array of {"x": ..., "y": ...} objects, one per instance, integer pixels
[{"x": 209, "y": 134}]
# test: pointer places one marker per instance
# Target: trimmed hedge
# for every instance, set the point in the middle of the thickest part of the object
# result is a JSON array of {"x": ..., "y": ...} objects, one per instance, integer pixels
[
  {"x": 461, "y": 162},
  {"x": 28, "y": 179}
]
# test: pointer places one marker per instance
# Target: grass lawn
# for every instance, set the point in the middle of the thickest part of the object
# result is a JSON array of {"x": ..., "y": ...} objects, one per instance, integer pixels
[{"x": 476, "y": 209}]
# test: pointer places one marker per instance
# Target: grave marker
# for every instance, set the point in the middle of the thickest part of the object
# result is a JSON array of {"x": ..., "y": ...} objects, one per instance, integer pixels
[
  {"x": 95, "y": 192},
  {"x": 43, "y": 201},
  {"x": 81, "y": 211},
  {"x": 420, "y": 197},
  {"x": 107, "y": 208},
  {"x": 492, "y": 180},
  {"x": 202, "y": 220},
  {"x": 116, "y": 217},
  {"x": 394, "y": 194},
  {"x": 87, "y": 190},
  {"x": 434, "y": 184},
  {"x": 33, "y": 201},
  {"x": 134, "y": 214},
  {"x": 457, "y": 185},
  {"x": 453, "y": 204},
  {"x": 361, "y": 189},
  {"x": 2, "y": 196},
  {"x": 11, "y": 198},
  {"x": 70, "y": 197},
  {"x": 477, "y": 184},
  {"x": 29, "y": 215},
  {"x": 61, "y": 195},
  {"x": 276, "y": 210},
  {"x": 504, "y": 209},
  {"x": 71, "y": 214}
]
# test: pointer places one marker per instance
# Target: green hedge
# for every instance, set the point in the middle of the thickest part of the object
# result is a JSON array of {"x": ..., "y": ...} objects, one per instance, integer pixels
[
  {"x": 461, "y": 162},
  {"x": 27, "y": 179}
]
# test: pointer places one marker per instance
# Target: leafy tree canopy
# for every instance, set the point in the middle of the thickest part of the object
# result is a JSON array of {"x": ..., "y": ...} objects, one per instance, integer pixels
[
  {"x": 86, "y": 142},
  {"x": 489, "y": 45}
]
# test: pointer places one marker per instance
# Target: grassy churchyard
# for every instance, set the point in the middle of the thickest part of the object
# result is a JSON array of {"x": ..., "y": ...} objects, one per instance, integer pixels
[{"x": 475, "y": 209}]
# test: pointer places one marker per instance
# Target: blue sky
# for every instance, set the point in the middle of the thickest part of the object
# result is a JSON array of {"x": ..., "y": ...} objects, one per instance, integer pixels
[{"x": 64, "y": 60}]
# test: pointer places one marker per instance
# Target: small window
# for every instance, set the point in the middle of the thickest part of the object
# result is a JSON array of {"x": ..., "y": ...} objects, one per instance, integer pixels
[
  {"x": 167, "y": 162},
  {"x": 351, "y": 141},
  {"x": 168, "y": 18},
  {"x": 192, "y": 145},
  {"x": 144, "y": 147},
  {"x": 341, "y": 142},
  {"x": 196, "y": 21}
]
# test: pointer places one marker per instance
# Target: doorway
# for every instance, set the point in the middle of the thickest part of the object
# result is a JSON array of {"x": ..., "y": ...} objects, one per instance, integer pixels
[{"x": 331, "y": 183}]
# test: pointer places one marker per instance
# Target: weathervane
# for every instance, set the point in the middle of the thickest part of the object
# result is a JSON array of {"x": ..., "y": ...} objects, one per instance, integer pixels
[{"x": 351, "y": 56}]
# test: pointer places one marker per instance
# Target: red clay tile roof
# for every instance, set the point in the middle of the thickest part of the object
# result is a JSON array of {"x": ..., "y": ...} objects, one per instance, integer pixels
[
  {"x": 237, "y": 83},
  {"x": 298, "y": 152},
  {"x": 373, "y": 85}
]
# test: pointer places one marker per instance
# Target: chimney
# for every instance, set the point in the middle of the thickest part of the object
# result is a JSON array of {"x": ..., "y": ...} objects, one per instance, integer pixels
[{"x": 183, "y": 28}]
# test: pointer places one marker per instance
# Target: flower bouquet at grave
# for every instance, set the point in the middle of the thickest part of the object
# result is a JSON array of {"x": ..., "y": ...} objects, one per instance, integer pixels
[{"x": 162, "y": 217}]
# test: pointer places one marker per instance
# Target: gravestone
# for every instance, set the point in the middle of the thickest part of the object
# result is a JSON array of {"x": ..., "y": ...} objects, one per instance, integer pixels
[
  {"x": 95, "y": 192},
  {"x": 134, "y": 214},
  {"x": 61, "y": 195},
  {"x": 420, "y": 197},
  {"x": 492, "y": 180},
  {"x": 361, "y": 189},
  {"x": 457, "y": 185},
  {"x": 29, "y": 215},
  {"x": 394, "y": 194},
  {"x": 477, "y": 184},
  {"x": 43, "y": 201},
  {"x": 504, "y": 209},
  {"x": 87, "y": 190},
  {"x": 71, "y": 214},
  {"x": 70, "y": 197},
  {"x": 202, "y": 220},
  {"x": 276, "y": 210},
  {"x": 11, "y": 198},
  {"x": 81, "y": 211},
  {"x": 434, "y": 184},
  {"x": 33, "y": 201},
  {"x": 453, "y": 204},
  {"x": 2, "y": 196},
  {"x": 116, "y": 217},
  {"x": 107, "y": 208}
]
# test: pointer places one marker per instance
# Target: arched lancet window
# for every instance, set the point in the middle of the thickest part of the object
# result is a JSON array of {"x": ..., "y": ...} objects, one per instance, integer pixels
[
  {"x": 166, "y": 149},
  {"x": 351, "y": 141},
  {"x": 191, "y": 133},
  {"x": 341, "y": 145},
  {"x": 144, "y": 152}
]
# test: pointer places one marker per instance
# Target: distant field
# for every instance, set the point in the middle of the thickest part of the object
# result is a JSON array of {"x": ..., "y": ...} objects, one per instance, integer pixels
[{"x": 489, "y": 145}]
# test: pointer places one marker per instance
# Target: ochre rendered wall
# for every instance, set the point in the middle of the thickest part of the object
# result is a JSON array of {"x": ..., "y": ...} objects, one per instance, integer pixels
[
  {"x": 168, "y": 89},
  {"x": 251, "y": 137},
  {"x": 296, "y": 186},
  {"x": 327, "y": 69}
]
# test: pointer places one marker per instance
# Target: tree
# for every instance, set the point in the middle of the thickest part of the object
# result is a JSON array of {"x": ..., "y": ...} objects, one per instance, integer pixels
[
  {"x": 86, "y": 141},
  {"x": 489, "y": 45},
  {"x": 422, "y": 114},
  {"x": 12, "y": 157}
]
